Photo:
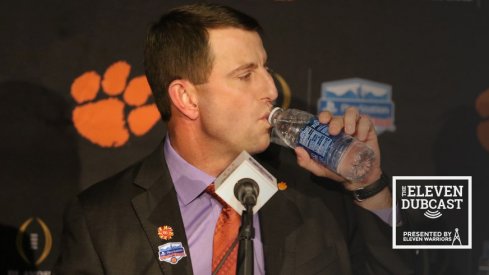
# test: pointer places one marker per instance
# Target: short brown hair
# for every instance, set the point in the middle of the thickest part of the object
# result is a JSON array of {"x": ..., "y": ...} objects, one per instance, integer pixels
[{"x": 177, "y": 46}]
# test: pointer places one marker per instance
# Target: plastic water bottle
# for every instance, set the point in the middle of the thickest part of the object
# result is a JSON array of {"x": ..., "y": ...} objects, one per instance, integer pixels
[{"x": 341, "y": 153}]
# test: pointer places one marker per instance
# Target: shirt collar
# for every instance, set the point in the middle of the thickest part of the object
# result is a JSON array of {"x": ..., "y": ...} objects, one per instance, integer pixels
[{"x": 188, "y": 180}]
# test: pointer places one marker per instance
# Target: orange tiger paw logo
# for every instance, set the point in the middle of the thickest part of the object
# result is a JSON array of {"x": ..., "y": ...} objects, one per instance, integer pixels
[
  {"x": 100, "y": 115},
  {"x": 482, "y": 107}
]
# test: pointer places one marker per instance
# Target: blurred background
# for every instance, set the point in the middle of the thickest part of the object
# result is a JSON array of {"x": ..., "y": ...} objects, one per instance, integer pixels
[{"x": 74, "y": 105}]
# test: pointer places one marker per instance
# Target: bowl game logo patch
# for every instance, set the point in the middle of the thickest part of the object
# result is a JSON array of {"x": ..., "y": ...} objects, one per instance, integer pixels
[{"x": 171, "y": 252}]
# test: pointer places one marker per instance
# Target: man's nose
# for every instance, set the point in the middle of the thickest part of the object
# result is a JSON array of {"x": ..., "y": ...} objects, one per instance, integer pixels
[{"x": 271, "y": 89}]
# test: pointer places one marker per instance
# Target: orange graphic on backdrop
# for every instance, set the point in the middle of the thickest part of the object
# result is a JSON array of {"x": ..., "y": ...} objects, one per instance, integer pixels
[
  {"x": 482, "y": 107},
  {"x": 103, "y": 121}
]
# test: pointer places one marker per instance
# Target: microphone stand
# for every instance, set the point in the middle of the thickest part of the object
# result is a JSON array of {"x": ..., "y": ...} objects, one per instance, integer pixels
[{"x": 246, "y": 235}]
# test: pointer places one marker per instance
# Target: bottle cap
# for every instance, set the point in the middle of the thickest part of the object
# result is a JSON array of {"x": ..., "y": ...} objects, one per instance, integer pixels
[{"x": 272, "y": 113}]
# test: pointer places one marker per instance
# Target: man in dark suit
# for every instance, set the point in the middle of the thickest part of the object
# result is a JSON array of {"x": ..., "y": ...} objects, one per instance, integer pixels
[{"x": 207, "y": 68}]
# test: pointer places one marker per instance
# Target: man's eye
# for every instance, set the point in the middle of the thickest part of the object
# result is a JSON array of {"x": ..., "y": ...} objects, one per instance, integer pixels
[
  {"x": 269, "y": 70},
  {"x": 246, "y": 76}
]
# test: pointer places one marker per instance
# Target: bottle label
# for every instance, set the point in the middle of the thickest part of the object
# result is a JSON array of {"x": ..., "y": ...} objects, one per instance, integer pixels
[{"x": 314, "y": 137}]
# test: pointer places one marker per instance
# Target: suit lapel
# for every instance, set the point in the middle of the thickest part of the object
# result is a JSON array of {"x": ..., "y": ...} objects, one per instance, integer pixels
[
  {"x": 158, "y": 206},
  {"x": 278, "y": 218}
]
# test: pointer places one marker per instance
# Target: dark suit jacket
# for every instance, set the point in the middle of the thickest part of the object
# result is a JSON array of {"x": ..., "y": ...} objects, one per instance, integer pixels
[{"x": 309, "y": 228}]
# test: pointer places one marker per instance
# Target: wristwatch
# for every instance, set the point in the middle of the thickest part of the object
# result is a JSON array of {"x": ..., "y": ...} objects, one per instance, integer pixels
[{"x": 368, "y": 191}]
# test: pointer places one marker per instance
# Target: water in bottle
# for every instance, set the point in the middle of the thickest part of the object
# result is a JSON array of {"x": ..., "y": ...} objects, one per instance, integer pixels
[{"x": 341, "y": 153}]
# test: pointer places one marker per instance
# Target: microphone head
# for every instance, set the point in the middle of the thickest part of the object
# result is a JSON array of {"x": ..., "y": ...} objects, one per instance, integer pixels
[
  {"x": 246, "y": 191},
  {"x": 245, "y": 167}
]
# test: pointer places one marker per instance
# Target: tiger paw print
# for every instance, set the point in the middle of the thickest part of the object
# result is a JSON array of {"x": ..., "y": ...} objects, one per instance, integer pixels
[
  {"x": 482, "y": 107},
  {"x": 100, "y": 114}
]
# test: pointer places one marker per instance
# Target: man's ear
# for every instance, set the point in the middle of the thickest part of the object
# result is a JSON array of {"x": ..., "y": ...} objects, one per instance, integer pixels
[{"x": 183, "y": 97}]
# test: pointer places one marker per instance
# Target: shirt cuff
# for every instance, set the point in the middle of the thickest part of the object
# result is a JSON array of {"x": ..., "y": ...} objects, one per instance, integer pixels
[{"x": 386, "y": 215}]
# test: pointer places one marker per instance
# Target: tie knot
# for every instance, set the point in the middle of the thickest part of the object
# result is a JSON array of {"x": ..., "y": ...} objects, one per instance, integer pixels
[{"x": 211, "y": 190}]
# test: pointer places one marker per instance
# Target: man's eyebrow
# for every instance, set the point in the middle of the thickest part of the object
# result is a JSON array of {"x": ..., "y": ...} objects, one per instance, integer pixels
[{"x": 244, "y": 67}]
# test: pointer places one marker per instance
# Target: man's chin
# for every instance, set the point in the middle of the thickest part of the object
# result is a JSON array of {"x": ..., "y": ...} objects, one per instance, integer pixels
[{"x": 260, "y": 147}]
